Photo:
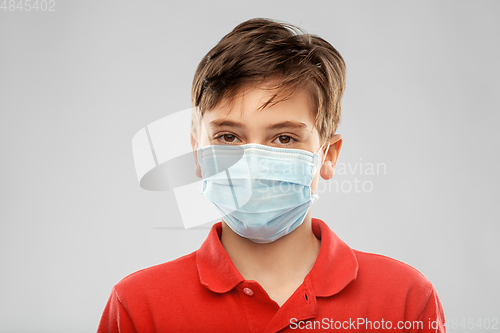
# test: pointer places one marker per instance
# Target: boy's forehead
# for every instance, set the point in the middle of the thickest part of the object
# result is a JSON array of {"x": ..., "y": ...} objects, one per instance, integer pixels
[{"x": 267, "y": 101}]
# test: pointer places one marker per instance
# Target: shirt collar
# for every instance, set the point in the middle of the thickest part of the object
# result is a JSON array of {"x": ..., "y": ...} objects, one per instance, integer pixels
[{"x": 335, "y": 267}]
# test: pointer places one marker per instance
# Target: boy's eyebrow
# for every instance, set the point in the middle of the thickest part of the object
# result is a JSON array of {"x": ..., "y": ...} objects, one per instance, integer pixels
[
  {"x": 284, "y": 124},
  {"x": 226, "y": 122},
  {"x": 287, "y": 124}
]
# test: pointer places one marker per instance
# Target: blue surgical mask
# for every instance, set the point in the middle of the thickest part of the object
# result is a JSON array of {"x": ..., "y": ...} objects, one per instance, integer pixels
[{"x": 262, "y": 192}]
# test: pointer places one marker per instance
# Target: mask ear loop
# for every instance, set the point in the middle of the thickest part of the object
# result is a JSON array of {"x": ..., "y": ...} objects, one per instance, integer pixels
[{"x": 324, "y": 156}]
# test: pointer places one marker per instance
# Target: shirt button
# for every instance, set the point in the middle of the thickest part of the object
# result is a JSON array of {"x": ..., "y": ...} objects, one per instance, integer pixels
[{"x": 248, "y": 291}]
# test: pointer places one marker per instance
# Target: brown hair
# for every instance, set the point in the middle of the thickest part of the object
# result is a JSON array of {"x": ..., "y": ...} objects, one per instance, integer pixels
[{"x": 261, "y": 49}]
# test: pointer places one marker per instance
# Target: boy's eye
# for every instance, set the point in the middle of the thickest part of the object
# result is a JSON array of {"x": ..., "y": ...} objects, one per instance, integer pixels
[
  {"x": 284, "y": 139},
  {"x": 228, "y": 138}
]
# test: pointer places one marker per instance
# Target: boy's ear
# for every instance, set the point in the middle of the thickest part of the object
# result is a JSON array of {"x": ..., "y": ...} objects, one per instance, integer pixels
[
  {"x": 194, "y": 142},
  {"x": 194, "y": 145},
  {"x": 328, "y": 168},
  {"x": 335, "y": 146}
]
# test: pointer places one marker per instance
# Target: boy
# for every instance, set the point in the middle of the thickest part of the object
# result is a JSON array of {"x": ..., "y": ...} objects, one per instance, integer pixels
[{"x": 267, "y": 104}]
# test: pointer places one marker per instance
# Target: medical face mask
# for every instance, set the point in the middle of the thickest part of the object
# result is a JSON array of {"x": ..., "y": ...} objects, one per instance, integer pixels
[{"x": 262, "y": 192}]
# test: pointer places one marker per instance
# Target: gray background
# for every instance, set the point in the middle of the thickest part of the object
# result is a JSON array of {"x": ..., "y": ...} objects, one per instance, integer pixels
[{"x": 76, "y": 84}]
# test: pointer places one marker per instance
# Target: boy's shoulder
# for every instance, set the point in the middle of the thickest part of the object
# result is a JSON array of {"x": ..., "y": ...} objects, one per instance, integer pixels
[
  {"x": 377, "y": 269},
  {"x": 172, "y": 273}
]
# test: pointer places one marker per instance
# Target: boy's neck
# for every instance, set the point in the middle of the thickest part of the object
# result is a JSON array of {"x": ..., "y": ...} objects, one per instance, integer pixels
[{"x": 279, "y": 267}]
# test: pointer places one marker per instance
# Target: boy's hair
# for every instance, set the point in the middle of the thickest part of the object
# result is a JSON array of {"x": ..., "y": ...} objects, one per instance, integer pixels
[{"x": 260, "y": 50}]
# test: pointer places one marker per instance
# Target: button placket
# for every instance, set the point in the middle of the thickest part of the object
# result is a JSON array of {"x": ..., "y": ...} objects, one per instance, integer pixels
[{"x": 259, "y": 308}]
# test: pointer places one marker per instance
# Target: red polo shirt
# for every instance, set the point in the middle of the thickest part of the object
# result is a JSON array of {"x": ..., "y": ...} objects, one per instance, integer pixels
[{"x": 346, "y": 290}]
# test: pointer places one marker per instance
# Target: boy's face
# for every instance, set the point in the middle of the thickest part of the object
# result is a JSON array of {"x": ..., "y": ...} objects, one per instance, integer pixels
[{"x": 287, "y": 124}]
